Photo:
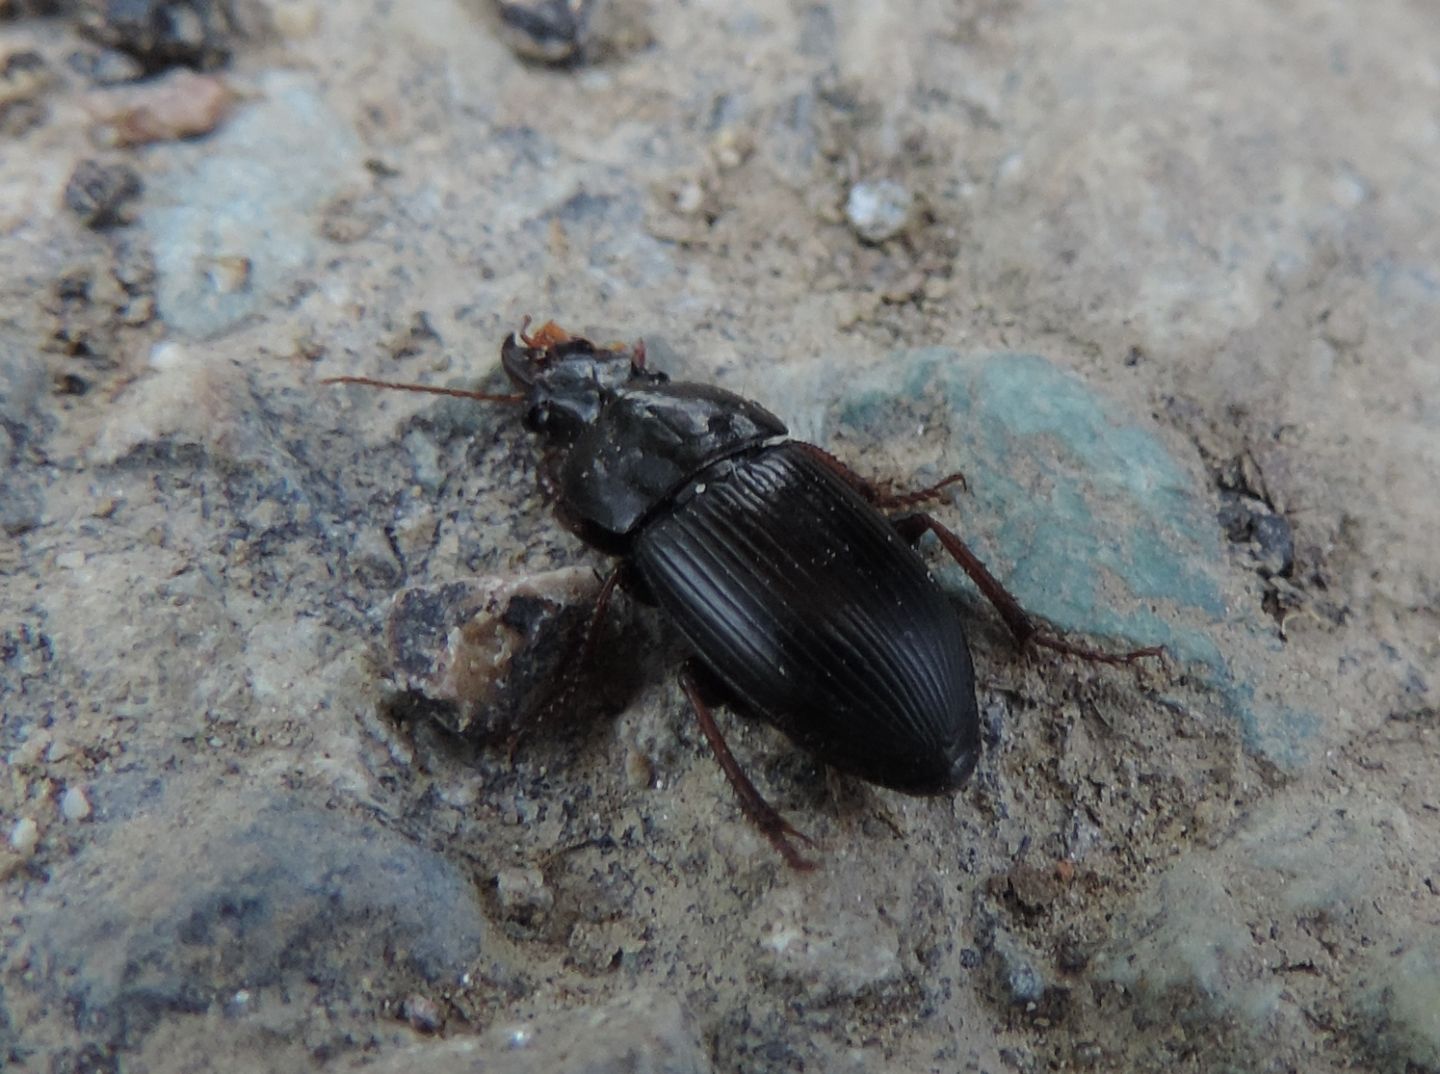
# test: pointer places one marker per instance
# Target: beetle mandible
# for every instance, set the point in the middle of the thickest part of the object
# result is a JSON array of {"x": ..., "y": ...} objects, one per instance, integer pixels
[{"x": 801, "y": 602}]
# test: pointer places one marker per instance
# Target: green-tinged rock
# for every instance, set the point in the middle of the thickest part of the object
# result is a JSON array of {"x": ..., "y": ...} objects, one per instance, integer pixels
[{"x": 1084, "y": 513}]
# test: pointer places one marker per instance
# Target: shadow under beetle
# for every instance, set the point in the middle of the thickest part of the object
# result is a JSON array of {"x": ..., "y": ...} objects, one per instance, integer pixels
[{"x": 801, "y": 602}]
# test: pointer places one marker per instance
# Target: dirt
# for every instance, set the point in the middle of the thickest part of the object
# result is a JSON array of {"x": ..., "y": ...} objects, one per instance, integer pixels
[{"x": 1220, "y": 223}]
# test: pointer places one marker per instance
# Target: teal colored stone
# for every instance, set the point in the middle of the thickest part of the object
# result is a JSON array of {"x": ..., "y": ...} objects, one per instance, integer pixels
[{"x": 1081, "y": 511}]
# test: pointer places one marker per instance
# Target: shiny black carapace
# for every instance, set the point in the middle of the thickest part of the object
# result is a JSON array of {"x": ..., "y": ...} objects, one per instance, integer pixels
[{"x": 802, "y": 603}]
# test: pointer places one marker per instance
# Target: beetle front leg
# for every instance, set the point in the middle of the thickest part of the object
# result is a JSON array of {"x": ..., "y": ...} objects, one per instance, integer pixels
[
  {"x": 1022, "y": 626},
  {"x": 752, "y": 803},
  {"x": 570, "y": 682},
  {"x": 597, "y": 617}
]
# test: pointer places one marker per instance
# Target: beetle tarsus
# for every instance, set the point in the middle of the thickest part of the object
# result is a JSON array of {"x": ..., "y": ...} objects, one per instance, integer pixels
[
  {"x": 752, "y": 803},
  {"x": 1098, "y": 656}
]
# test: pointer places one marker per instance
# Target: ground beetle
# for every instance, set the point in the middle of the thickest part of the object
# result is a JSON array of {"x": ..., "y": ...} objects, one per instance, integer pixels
[{"x": 802, "y": 603}]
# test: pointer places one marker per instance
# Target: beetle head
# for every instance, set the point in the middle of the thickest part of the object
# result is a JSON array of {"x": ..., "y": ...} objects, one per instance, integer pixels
[{"x": 567, "y": 380}]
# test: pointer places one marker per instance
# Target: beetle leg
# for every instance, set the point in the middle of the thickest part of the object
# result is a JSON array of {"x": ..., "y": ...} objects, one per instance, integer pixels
[
  {"x": 1021, "y": 625},
  {"x": 883, "y": 494},
  {"x": 570, "y": 683},
  {"x": 597, "y": 617},
  {"x": 760, "y": 812},
  {"x": 893, "y": 500}
]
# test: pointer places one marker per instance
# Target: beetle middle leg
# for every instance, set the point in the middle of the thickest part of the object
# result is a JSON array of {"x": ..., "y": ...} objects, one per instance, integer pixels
[
  {"x": 1022, "y": 626},
  {"x": 752, "y": 803},
  {"x": 882, "y": 494}
]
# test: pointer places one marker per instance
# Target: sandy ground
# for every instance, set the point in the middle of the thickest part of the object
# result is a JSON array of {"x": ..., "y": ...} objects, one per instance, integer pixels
[{"x": 1168, "y": 292}]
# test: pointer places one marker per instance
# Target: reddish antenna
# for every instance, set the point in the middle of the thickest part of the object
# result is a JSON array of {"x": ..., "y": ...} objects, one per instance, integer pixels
[{"x": 457, "y": 393}]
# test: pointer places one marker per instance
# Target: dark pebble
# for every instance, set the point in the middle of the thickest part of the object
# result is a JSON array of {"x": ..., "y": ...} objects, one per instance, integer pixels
[
  {"x": 100, "y": 195},
  {"x": 550, "y": 31},
  {"x": 1274, "y": 544},
  {"x": 164, "y": 33},
  {"x": 107, "y": 67},
  {"x": 1271, "y": 541}
]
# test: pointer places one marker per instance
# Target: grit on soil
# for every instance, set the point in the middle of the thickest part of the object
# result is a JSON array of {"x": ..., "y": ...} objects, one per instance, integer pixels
[{"x": 1188, "y": 254}]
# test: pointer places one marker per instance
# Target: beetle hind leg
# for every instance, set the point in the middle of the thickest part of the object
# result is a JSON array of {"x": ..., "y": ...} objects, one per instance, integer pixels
[
  {"x": 752, "y": 803},
  {"x": 1022, "y": 626}
]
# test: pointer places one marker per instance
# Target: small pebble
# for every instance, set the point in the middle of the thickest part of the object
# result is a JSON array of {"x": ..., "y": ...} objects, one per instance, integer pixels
[
  {"x": 181, "y": 104},
  {"x": 878, "y": 211},
  {"x": 238, "y": 1004},
  {"x": 731, "y": 148},
  {"x": 690, "y": 198},
  {"x": 415, "y": 530},
  {"x": 1274, "y": 545},
  {"x": 1088, "y": 1053},
  {"x": 423, "y": 1013},
  {"x": 31, "y": 750},
  {"x": 24, "y": 836},
  {"x": 936, "y": 289},
  {"x": 229, "y": 274},
  {"x": 139, "y": 310},
  {"x": 161, "y": 34},
  {"x": 167, "y": 354},
  {"x": 23, "y": 77},
  {"x": 639, "y": 771},
  {"x": 19, "y": 118},
  {"x": 74, "y": 805},
  {"x": 101, "y": 194},
  {"x": 1024, "y": 983},
  {"x": 108, "y": 67},
  {"x": 1022, "y": 980},
  {"x": 294, "y": 18},
  {"x": 1250, "y": 521},
  {"x": 372, "y": 560},
  {"x": 70, "y": 560},
  {"x": 523, "y": 894},
  {"x": 550, "y": 31}
]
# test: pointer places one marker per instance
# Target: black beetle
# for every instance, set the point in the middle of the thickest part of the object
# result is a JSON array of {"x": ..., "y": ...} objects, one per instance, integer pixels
[{"x": 803, "y": 604}]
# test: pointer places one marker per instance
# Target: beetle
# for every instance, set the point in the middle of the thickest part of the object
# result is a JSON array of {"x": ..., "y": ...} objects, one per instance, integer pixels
[{"x": 801, "y": 602}]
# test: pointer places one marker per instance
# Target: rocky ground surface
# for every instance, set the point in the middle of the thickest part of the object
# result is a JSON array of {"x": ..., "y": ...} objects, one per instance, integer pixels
[{"x": 1162, "y": 279}]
